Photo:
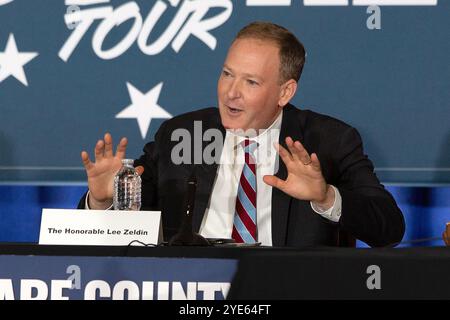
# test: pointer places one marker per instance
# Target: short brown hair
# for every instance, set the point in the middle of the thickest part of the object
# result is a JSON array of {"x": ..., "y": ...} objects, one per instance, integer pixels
[{"x": 292, "y": 52}]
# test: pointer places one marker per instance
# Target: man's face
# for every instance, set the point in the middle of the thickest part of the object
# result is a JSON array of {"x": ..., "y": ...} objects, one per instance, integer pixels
[{"x": 248, "y": 89}]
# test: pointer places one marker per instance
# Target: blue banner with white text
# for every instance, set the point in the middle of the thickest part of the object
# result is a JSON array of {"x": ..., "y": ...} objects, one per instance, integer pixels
[
  {"x": 72, "y": 70},
  {"x": 114, "y": 278}
]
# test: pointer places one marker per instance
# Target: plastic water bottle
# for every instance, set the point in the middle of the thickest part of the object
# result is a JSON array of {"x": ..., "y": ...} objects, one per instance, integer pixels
[{"x": 127, "y": 187}]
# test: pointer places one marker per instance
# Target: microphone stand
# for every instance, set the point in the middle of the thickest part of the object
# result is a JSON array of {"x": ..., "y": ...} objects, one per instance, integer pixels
[{"x": 186, "y": 235}]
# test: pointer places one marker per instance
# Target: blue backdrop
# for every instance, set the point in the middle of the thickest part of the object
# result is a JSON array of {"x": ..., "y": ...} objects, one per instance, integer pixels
[{"x": 69, "y": 71}]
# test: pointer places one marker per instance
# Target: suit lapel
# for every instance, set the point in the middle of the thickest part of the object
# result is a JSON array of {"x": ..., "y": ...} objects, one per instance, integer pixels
[{"x": 281, "y": 202}]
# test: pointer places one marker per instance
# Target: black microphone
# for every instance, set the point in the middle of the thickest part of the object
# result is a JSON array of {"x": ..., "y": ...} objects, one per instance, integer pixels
[{"x": 186, "y": 235}]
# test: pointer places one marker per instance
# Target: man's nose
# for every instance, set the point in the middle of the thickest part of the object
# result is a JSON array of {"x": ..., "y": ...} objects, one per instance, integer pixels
[{"x": 234, "y": 90}]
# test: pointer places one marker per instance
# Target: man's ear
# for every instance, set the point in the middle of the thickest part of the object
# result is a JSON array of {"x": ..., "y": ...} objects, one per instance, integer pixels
[{"x": 288, "y": 90}]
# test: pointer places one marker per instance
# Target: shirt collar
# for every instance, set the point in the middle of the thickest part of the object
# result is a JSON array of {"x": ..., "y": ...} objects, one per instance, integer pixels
[{"x": 265, "y": 140}]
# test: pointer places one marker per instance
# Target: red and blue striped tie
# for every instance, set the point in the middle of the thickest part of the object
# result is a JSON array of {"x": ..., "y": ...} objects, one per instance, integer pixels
[{"x": 244, "y": 225}]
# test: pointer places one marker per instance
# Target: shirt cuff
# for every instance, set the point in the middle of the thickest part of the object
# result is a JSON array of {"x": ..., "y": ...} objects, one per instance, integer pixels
[
  {"x": 333, "y": 213},
  {"x": 86, "y": 202}
]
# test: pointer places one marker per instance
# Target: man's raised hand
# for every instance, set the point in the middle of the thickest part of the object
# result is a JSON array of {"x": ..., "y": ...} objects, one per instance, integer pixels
[
  {"x": 305, "y": 180},
  {"x": 101, "y": 173}
]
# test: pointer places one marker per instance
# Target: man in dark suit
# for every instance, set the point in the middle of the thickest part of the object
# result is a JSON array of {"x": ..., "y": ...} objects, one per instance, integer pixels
[{"x": 323, "y": 184}]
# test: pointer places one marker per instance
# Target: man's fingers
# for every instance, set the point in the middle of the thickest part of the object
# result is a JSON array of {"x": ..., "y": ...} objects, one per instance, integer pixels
[
  {"x": 315, "y": 161},
  {"x": 284, "y": 154},
  {"x": 139, "y": 170},
  {"x": 108, "y": 145},
  {"x": 301, "y": 153},
  {"x": 297, "y": 151},
  {"x": 86, "y": 161},
  {"x": 274, "y": 182},
  {"x": 99, "y": 150},
  {"x": 292, "y": 150},
  {"x": 121, "y": 148}
]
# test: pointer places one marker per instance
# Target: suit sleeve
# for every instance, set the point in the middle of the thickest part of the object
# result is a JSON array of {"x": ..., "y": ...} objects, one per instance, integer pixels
[
  {"x": 82, "y": 202},
  {"x": 369, "y": 211}
]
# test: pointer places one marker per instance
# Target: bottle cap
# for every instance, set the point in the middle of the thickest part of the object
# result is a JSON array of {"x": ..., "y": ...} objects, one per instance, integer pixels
[{"x": 129, "y": 162}]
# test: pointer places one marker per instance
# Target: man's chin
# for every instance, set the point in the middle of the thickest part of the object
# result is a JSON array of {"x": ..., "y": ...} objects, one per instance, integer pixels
[{"x": 232, "y": 125}]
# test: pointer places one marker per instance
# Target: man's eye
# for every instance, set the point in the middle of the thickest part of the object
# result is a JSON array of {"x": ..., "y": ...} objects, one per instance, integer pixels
[
  {"x": 226, "y": 73},
  {"x": 252, "y": 82}
]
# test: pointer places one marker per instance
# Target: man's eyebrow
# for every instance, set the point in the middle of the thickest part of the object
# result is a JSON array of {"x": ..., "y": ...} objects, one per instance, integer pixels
[
  {"x": 249, "y": 75},
  {"x": 227, "y": 67}
]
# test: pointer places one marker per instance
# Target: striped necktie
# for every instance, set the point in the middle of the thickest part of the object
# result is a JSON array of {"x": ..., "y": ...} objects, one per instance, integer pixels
[{"x": 244, "y": 225}]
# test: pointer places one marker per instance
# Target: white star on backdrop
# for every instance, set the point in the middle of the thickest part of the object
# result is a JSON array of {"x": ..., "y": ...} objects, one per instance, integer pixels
[
  {"x": 144, "y": 107},
  {"x": 3, "y": 2},
  {"x": 12, "y": 61}
]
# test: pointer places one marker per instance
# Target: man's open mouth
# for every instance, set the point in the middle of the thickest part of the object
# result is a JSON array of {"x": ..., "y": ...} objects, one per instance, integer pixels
[{"x": 234, "y": 110}]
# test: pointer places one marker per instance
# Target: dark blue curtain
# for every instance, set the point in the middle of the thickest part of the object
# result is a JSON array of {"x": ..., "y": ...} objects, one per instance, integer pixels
[{"x": 426, "y": 210}]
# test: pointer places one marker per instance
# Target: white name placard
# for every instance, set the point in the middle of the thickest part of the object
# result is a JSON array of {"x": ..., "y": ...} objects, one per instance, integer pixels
[{"x": 99, "y": 227}]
